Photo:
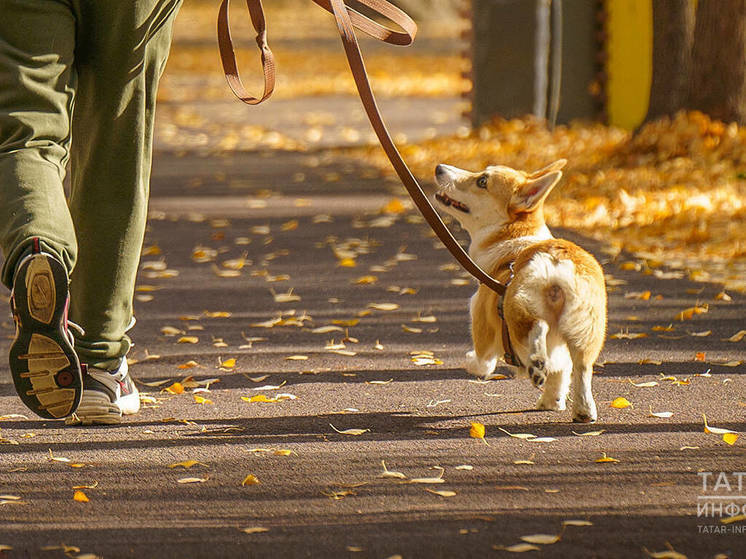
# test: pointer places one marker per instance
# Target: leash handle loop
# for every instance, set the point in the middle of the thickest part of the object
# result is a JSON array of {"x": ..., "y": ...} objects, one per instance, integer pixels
[{"x": 228, "y": 55}]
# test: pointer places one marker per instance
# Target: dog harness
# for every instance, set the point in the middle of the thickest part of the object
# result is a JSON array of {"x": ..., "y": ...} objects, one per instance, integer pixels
[{"x": 509, "y": 356}]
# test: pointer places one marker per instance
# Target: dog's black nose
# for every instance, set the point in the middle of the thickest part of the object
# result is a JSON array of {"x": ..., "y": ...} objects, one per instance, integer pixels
[{"x": 440, "y": 170}]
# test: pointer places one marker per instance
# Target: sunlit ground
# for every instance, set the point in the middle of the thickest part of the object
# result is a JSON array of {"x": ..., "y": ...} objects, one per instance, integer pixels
[{"x": 673, "y": 194}]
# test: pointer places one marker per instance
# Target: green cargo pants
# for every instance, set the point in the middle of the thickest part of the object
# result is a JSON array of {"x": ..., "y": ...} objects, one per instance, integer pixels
[{"x": 78, "y": 81}]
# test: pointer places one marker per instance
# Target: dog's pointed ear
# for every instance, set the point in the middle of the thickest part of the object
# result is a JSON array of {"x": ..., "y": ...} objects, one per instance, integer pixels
[
  {"x": 533, "y": 192},
  {"x": 556, "y": 166}
]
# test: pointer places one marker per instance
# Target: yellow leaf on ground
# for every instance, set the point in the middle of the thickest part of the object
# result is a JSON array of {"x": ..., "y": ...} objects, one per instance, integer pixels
[
  {"x": 185, "y": 480},
  {"x": 80, "y": 497},
  {"x": 732, "y": 519},
  {"x": 394, "y": 206},
  {"x": 254, "y": 530},
  {"x": 365, "y": 280},
  {"x": 577, "y": 523},
  {"x": 250, "y": 479},
  {"x": 730, "y": 438},
  {"x": 620, "y": 403},
  {"x": 201, "y": 399},
  {"x": 188, "y": 340},
  {"x": 175, "y": 388},
  {"x": 228, "y": 363},
  {"x": 688, "y": 314},
  {"x": 477, "y": 430},
  {"x": 605, "y": 458},
  {"x": 186, "y": 464}
]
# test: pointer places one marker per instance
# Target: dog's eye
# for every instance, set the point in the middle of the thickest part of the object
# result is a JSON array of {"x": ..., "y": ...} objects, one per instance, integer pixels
[{"x": 482, "y": 181}]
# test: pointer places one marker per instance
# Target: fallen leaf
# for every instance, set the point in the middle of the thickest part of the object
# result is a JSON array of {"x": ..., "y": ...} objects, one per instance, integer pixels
[
  {"x": 524, "y": 462},
  {"x": 732, "y": 519},
  {"x": 192, "y": 480},
  {"x": 466, "y": 467},
  {"x": 201, "y": 400},
  {"x": 188, "y": 340},
  {"x": 577, "y": 523},
  {"x": 327, "y": 329},
  {"x": 589, "y": 433},
  {"x": 186, "y": 464},
  {"x": 660, "y": 414},
  {"x": 80, "y": 497},
  {"x": 349, "y": 431},
  {"x": 670, "y": 554},
  {"x": 524, "y": 436},
  {"x": 443, "y": 493},
  {"x": 737, "y": 337},
  {"x": 688, "y": 314},
  {"x": 288, "y": 297},
  {"x": 296, "y": 358},
  {"x": 605, "y": 458},
  {"x": 519, "y": 548},
  {"x": 383, "y": 306},
  {"x": 477, "y": 431},
  {"x": 716, "y": 430},
  {"x": 175, "y": 388},
  {"x": 429, "y": 480},
  {"x": 389, "y": 473},
  {"x": 628, "y": 335},
  {"x": 250, "y": 479},
  {"x": 543, "y": 539},
  {"x": 620, "y": 403},
  {"x": 54, "y": 458},
  {"x": 730, "y": 438},
  {"x": 644, "y": 384},
  {"x": 254, "y": 530}
]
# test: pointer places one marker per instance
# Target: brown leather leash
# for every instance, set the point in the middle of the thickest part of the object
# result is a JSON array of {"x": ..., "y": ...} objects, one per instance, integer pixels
[{"x": 347, "y": 20}]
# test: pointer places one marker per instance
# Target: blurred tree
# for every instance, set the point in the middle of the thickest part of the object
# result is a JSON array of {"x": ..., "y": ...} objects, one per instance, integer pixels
[
  {"x": 673, "y": 30},
  {"x": 718, "y": 77}
]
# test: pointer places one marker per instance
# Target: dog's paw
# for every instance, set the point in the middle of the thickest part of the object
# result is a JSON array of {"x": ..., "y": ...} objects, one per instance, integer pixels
[
  {"x": 479, "y": 367},
  {"x": 547, "y": 402},
  {"x": 537, "y": 372},
  {"x": 584, "y": 414}
]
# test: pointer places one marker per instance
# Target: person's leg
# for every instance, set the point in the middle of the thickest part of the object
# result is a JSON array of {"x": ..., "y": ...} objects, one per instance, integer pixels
[
  {"x": 121, "y": 53},
  {"x": 37, "y": 83}
]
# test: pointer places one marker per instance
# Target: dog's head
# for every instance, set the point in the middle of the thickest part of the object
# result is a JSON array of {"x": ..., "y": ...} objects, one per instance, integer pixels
[{"x": 494, "y": 196}]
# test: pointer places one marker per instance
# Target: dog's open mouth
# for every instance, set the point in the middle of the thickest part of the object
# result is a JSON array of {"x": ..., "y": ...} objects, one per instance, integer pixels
[{"x": 448, "y": 201}]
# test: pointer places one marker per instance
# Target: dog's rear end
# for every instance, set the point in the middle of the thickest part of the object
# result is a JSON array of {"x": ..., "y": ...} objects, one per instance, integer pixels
[{"x": 556, "y": 312}]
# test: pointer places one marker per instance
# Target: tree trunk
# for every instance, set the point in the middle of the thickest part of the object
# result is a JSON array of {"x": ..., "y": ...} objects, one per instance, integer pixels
[
  {"x": 673, "y": 30},
  {"x": 718, "y": 82}
]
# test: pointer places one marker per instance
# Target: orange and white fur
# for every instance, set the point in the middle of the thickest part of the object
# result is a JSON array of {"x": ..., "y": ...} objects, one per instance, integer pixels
[{"x": 555, "y": 305}]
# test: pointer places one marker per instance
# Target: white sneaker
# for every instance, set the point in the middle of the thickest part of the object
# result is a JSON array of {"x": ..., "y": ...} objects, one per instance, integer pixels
[{"x": 107, "y": 395}]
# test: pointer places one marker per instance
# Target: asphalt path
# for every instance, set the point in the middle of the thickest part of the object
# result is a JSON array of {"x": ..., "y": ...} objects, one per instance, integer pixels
[{"x": 303, "y": 235}]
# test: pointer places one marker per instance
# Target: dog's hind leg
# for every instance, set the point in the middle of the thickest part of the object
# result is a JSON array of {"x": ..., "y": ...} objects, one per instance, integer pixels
[{"x": 583, "y": 405}]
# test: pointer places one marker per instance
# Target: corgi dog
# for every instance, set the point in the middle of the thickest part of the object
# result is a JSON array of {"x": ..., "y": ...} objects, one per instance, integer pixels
[{"x": 554, "y": 308}]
